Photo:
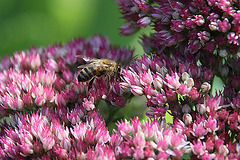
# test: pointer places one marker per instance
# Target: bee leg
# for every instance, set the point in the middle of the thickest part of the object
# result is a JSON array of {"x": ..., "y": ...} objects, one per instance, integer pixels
[{"x": 90, "y": 84}]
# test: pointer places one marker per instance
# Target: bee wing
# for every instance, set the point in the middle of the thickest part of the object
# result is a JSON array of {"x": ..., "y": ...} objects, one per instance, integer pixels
[
  {"x": 93, "y": 64},
  {"x": 83, "y": 66},
  {"x": 88, "y": 59}
]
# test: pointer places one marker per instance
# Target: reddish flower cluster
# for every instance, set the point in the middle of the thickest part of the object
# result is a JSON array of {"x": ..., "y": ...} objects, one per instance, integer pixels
[
  {"x": 206, "y": 121},
  {"x": 186, "y": 33},
  {"x": 208, "y": 24},
  {"x": 206, "y": 28}
]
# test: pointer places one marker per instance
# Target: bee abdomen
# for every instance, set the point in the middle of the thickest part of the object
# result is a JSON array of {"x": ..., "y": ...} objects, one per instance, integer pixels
[{"x": 86, "y": 74}]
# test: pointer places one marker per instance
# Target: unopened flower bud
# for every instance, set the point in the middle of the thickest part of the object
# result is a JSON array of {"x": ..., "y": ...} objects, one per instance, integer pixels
[
  {"x": 199, "y": 20},
  {"x": 213, "y": 26},
  {"x": 144, "y": 22},
  {"x": 208, "y": 75},
  {"x": 201, "y": 108},
  {"x": 189, "y": 82},
  {"x": 137, "y": 91},
  {"x": 157, "y": 83},
  {"x": 185, "y": 76},
  {"x": 223, "y": 53},
  {"x": 186, "y": 108},
  {"x": 203, "y": 36},
  {"x": 175, "y": 15},
  {"x": 187, "y": 118},
  {"x": 128, "y": 29},
  {"x": 224, "y": 71},
  {"x": 205, "y": 87}
]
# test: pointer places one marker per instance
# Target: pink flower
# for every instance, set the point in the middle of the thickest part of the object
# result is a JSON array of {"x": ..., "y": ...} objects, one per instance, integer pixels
[
  {"x": 224, "y": 26},
  {"x": 199, "y": 130},
  {"x": 88, "y": 104},
  {"x": 173, "y": 81},
  {"x": 199, "y": 20},
  {"x": 198, "y": 147},
  {"x": 145, "y": 77}
]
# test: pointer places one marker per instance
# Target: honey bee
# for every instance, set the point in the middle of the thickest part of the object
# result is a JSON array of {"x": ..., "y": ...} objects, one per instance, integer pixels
[{"x": 98, "y": 67}]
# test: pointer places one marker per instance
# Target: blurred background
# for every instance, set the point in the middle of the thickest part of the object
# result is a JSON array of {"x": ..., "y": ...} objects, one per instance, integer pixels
[{"x": 26, "y": 23}]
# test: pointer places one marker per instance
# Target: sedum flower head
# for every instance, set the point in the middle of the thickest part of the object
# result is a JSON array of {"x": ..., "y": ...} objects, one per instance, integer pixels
[
  {"x": 202, "y": 28},
  {"x": 47, "y": 76}
]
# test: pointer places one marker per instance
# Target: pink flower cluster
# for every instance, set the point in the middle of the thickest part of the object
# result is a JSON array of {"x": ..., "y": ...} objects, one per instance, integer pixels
[
  {"x": 183, "y": 91},
  {"x": 52, "y": 113},
  {"x": 42, "y": 135},
  {"x": 47, "y": 114},
  {"x": 156, "y": 79},
  {"x": 47, "y": 76},
  {"x": 207, "y": 24},
  {"x": 205, "y": 28}
]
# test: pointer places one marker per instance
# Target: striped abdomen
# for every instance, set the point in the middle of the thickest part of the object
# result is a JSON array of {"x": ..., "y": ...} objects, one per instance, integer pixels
[{"x": 86, "y": 74}]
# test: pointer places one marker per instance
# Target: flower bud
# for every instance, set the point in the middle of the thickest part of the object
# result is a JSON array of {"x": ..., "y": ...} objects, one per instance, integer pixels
[
  {"x": 193, "y": 94},
  {"x": 186, "y": 108},
  {"x": 208, "y": 75},
  {"x": 137, "y": 91},
  {"x": 187, "y": 118},
  {"x": 189, "y": 82},
  {"x": 224, "y": 71},
  {"x": 205, "y": 87},
  {"x": 158, "y": 83},
  {"x": 185, "y": 76},
  {"x": 213, "y": 26},
  {"x": 144, "y": 22},
  {"x": 201, "y": 108},
  {"x": 223, "y": 53}
]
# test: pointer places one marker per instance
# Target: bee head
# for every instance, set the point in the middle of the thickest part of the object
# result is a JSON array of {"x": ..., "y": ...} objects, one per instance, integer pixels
[{"x": 119, "y": 69}]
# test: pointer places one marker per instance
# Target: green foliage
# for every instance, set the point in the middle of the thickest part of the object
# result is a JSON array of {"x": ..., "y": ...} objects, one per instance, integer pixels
[{"x": 39, "y": 23}]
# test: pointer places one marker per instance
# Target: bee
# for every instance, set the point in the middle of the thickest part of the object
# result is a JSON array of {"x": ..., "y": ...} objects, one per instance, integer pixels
[{"x": 98, "y": 67}]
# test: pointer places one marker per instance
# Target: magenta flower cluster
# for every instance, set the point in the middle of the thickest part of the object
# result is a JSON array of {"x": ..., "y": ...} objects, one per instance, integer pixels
[
  {"x": 52, "y": 114},
  {"x": 205, "y": 28},
  {"x": 47, "y": 114},
  {"x": 47, "y": 76},
  {"x": 183, "y": 90},
  {"x": 42, "y": 135}
]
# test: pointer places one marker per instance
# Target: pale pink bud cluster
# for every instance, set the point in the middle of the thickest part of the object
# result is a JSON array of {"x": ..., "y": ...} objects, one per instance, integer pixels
[{"x": 150, "y": 77}]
